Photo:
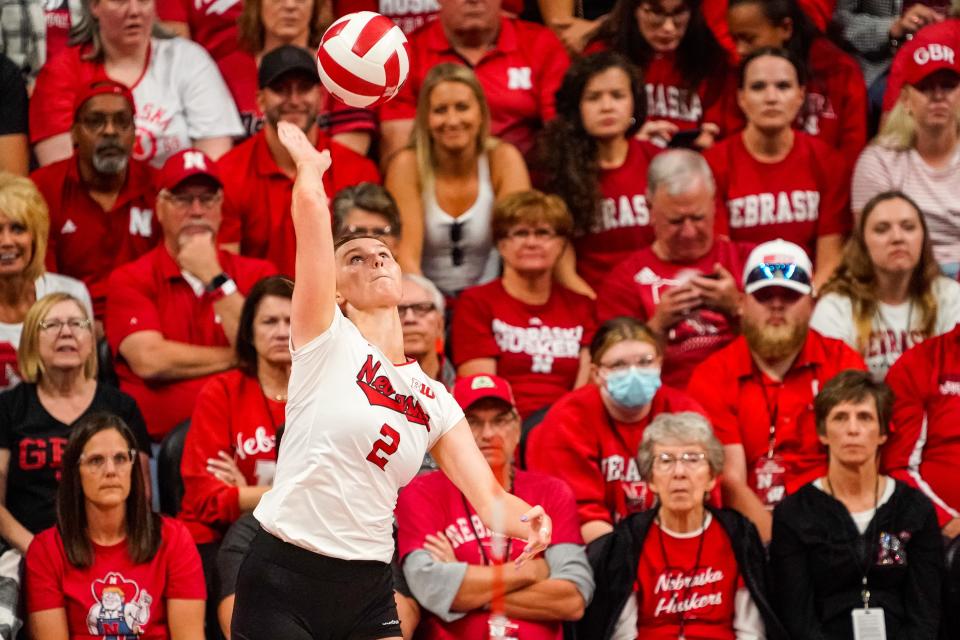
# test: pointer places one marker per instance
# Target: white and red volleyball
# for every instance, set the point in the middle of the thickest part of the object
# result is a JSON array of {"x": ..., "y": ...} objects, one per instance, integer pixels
[{"x": 363, "y": 59}]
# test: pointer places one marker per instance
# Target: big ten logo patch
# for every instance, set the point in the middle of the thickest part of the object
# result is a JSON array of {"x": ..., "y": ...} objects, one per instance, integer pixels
[
  {"x": 543, "y": 344},
  {"x": 519, "y": 78}
]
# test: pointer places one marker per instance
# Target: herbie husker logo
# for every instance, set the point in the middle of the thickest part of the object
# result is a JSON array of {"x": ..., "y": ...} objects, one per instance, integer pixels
[{"x": 380, "y": 393}]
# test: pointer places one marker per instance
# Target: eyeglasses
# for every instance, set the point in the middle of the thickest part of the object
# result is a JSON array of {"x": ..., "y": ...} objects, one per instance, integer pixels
[
  {"x": 456, "y": 252},
  {"x": 667, "y": 461},
  {"x": 541, "y": 233},
  {"x": 96, "y": 122},
  {"x": 56, "y": 326},
  {"x": 658, "y": 18},
  {"x": 419, "y": 309},
  {"x": 778, "y": 271},
  {"x": 501, "y": 422},
  {"x": 644, "y": 362},
  {"x": 368, "y": 231},
  {"x": 186, "y": 200},
  {"x": 98, "y": 462}
]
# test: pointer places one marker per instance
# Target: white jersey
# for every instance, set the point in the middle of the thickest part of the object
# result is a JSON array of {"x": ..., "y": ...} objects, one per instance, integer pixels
[{"x": 357, "y": 428}]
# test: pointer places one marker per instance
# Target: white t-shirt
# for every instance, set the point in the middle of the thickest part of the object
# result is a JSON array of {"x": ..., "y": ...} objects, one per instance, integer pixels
[
  {"x": 181, "y": 97},
  {"x": 357, "y": 428},
  {"x": 863, "y": 518},
  {"x": 10, "y": 332},
  {"x": 889, "y": 334}
]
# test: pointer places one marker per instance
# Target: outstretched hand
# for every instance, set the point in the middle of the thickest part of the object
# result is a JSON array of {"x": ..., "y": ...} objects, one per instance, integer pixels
[
  {"x": 298, "y": 146},
  {"x": 541, "y": 530}
]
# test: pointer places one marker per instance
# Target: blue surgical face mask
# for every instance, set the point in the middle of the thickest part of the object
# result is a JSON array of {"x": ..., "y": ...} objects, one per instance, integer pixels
[{"x": 632, "y": 387}]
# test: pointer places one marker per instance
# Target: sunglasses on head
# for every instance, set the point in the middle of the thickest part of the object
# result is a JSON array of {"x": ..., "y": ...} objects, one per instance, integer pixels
[
  {"x": 456, "y": 234},
  {"x": 778, "y": 271}
]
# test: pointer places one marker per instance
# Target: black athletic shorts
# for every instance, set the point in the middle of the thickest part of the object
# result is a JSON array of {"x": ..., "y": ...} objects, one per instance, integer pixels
[{"x": 284, "y": 591}]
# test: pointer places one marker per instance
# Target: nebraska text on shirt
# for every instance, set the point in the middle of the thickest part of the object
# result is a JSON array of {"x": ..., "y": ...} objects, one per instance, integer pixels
[
  {"x": 612, "y": 468},
  {"x": 949, "y": 386},
  {"x": 617, "y": 213},
  {"x": 460, "y": 531},
  {"x": 558, "y": 342},
  {"x": 259, "y": 443},
  {"x": 774, "y": 208},
  {"x": 673, "y": 102}
]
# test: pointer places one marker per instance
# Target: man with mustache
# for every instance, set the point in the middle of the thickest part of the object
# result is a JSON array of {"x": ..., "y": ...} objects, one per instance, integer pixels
[
  {"x": 172, "y": 314},
  {"x": 101, "y": 200},
  {"x": 258, "y": 174},
  {"x": 758, "y": 391}
]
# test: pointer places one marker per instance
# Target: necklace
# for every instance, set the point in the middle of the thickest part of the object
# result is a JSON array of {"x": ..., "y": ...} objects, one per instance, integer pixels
[{"x": 696, "y": 566}]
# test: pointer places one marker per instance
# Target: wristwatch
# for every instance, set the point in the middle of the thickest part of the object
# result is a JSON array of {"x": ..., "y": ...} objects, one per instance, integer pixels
[{"x": 220, "y": 287}]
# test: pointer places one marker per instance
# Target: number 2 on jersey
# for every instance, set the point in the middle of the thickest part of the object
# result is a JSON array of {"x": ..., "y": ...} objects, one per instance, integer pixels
[{"x": 387, "y": 445}]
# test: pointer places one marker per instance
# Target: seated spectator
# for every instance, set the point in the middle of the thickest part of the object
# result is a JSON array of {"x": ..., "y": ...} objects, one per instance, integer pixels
[
  {"x": 14, "y": 150},
  {"x": 422, "y": 311},
  {"x": 704, "y": 577},
  {"x": 101, "y": 200},
  {"x": 258, "y": 174},
  {"x": 682, "y": 286},
  {"x": 34, "y": 31},
  {"x": 111, "y": 567},
  {"x": 758, "y": 390},
  {"x": 888, "y": 269},
  {"x": 774, "y": 181},
  {"x": 120, "y": 41},
  {"x": 366, "y": 209},
  {"x": 835, "y": 101},
  {"x": 918, "y": 149},
  {"x": 945, "y": 32},
  {"x": 519, "y": 64},
  {"x": 523, "y": 327},
  {"x": 24, "y": 225},
  {"x": 923, "y": 448},
  {"x": 447, "y": 181},
  {"x": 853, "y": 542},
  {"x": 58, "y": 361},
  {"x": 591, "y": 158},
  {"x": 688, "y": 79},
  {"x": 173, "y": 313},
  {"x": 590, "y": 436},
  {"x": 447, "y": 552}
]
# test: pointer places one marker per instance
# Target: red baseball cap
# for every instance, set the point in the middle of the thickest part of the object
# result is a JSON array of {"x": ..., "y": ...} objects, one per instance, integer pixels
[
  {"x": 470, "y": 389},
  {"x": 928, "y": 59},
  {"x": 186, "y": 164},
  {"x": 102, "y": 88}
]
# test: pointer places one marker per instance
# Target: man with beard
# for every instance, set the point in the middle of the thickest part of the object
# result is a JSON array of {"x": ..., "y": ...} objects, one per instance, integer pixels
[
  {"x": 258, "y": 174},
  {"x": 101, "y": 200},
  {"x": 758, "y": 391},
  {"x": 172, "y": 314}
]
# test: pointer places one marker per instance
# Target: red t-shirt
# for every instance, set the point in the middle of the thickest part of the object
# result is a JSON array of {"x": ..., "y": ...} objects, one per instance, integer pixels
[
  {"x": 257, "y": 196},
  {"x": 151, "y": 294},
  {"x": 114, "y": 598},
  {"x": 634, "y": 289},
  {"x": 86, "y": 242},
  {"x": 409, "y": 16},
  {"x": 232, "y": 415},
  {"x": 56, "y": 14},
  {"x": 520, "y": 77},
  {"x": 432, "y": 503},
  {"x": 213, "y": 23},
  {"x": 694, "y": 577},
  {"x": 715, "y": 15},
  {"x": 622, "y": 224},
  {"x": 736, "y": 395},
  {"x": 596, "y": 455},
  {"x": 537, "y": 347},
  {"x": 804, "y": 196},
  {"x": 941, "y": 33}
]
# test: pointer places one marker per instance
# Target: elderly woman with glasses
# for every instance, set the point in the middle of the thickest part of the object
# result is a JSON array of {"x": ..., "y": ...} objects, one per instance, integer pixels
[{"x": 523, "y": 326}]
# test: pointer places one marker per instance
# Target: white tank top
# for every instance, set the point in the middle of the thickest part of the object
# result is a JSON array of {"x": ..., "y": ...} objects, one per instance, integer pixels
[{"x": 481, "y": 262}]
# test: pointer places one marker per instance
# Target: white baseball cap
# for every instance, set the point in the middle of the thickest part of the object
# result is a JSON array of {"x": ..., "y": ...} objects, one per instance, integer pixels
[{"x": 778, "y": 263}]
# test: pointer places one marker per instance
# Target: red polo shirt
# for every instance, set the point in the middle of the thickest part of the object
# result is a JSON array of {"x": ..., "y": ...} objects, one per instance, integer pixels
[
  {"x": 258, "y": 196},
  {"x": 520, "y": 77},
  {"x": 151, "y": 294},
  {"x": 87, "y": 242},
  {"x": 736, "y": 394}
]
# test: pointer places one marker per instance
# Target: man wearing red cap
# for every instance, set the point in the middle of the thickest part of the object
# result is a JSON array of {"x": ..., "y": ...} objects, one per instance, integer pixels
[
  {"x": 101, "y": 200},
  {"x": 447, "y": 553},
  {"x": 172, "y": 315}
]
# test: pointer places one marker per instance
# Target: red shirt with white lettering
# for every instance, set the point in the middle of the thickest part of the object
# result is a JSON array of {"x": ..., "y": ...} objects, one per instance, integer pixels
[
  {"x": 114, "y": 598},
  {"x": 232, "y": 415},
  {"x": 151, "y": 294},
  {"x": 432, "y": 503},
  {"x": 580, "y": 443},
  {"x": 693, "y": 576},
  {"x": 56, "y": 14},
  {"x": 800, "y": 198},
  {"x": 409, "y": 15},
  {"x": 635, "y": 287},
  {"x": 257, "y": 196},
  {"x": 931, "y": 39},
  {"x": 86, "y": 242},
  {"x": 622, "y": 223},
  {"x": 520, "y": 76},
  {"x": 536, "y": 346}
]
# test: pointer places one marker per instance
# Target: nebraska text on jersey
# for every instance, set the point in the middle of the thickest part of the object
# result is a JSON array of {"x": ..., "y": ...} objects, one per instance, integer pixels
[
  {"x": 673, "y": 102},
  {"x": 623, "y": 211},
  {"x": 380, "y": 393},
  {"x": 542, "y": 343},
  {"x": 774, "y": 208}
]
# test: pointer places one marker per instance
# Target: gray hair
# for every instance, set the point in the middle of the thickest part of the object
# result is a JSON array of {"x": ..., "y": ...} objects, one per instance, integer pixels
[
  {"x": 678, "y": 170},
  {"x": 686, "y": 427},
  {"x": 369, "y": 197},
  {"x": 427, "y": 285}
]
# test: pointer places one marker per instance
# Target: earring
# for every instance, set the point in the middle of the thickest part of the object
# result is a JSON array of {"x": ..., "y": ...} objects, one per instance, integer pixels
[{"x": 633, "y": 121}]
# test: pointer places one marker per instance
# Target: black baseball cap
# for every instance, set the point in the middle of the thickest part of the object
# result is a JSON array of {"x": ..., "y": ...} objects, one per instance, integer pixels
[{"x": 286, "y": 59}]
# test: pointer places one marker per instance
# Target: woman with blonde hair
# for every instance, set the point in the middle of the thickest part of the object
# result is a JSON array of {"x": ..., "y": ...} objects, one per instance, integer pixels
[
  {"x": 447, "y": 181},
  {"x": 888, "y": 293}
]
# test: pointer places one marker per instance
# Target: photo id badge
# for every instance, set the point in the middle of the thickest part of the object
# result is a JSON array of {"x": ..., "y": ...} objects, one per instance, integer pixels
[
  {"x": 769, "y": 475},
  {"x": 868, "y": 624}
]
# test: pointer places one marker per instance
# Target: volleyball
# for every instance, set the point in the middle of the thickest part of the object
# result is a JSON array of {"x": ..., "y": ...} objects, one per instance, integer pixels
[{"x": 363, "y": 59}]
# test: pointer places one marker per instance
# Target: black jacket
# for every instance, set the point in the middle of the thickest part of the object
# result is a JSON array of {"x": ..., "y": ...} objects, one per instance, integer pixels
[
  {"x": 817, "y": 559},
  {"x": 615, "y": 557}
]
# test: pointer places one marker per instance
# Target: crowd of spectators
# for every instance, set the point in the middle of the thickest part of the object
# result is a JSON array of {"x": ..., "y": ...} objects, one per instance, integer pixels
[{"x": 689, "y": 267}]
